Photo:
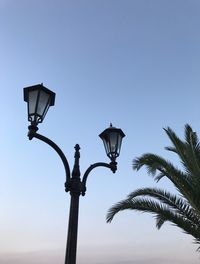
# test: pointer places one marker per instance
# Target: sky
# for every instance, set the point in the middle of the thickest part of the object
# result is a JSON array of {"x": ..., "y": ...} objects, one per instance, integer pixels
[{"x": 134, "y": 63}]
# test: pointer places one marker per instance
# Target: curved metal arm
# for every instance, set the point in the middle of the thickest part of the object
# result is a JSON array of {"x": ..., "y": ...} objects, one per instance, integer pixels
[
  {"x": 112, "y": 166},
  {"x": 32, "y": 133}
]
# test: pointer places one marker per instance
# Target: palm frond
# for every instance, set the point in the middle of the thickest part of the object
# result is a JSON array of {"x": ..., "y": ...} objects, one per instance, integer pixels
[
  {"x": 188, "y": 151},
  {"x": 172, "y": 149},
  {"x": 192, "y": 140},
  {"x": 179, "y": 205},
  {"x": 160, "y": 220},
  {"x": 190, "y": 134},
  {"x": 155, "y": 163},
  {"x": 159, "y": 210},
  {"x": 178, "y": 144}
]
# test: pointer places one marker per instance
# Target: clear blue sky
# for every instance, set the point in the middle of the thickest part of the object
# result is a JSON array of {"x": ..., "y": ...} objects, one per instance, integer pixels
[{"x": 134, "y": 63}]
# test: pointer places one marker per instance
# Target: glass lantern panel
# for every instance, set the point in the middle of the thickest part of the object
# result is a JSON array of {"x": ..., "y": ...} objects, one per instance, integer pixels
[
  {"x": 119, "y": 143},
  {"x": 113, "y": 142},
  {"x": 32, "y": 101},
  {"x": 46, "y": 110},
  {"x": 43, "y": 103}
]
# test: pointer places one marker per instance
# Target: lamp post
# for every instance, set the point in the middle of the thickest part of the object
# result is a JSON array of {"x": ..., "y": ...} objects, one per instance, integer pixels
[{"x": 39, "y": 99}]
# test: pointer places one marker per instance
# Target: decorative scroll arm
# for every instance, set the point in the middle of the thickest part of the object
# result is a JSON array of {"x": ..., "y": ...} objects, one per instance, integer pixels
[
  {"x": 33, "y": 134},
  {"x": 112, "y": 166}
]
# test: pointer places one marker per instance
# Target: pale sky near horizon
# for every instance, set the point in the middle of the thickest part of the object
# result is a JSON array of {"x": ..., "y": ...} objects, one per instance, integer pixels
[{"x": 134, "y": 63}]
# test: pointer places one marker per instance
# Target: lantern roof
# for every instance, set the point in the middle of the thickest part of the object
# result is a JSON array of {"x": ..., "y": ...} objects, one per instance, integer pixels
[
  {"x": 110, "y": 129},
  {"x": 39, "y": 87}
]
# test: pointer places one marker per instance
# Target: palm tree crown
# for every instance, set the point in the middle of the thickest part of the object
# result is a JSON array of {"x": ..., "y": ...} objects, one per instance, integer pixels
[{"x": 183, "y": 210}]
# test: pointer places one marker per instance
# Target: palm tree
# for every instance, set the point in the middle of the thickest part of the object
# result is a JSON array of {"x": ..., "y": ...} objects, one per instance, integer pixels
[{"x": 182, "y": 209}]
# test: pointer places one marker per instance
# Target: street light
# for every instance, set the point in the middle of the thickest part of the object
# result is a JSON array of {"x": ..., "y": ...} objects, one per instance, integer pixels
[{"x": 39, "y": 99}]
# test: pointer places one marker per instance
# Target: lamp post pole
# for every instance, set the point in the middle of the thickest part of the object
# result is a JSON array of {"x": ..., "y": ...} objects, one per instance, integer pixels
[
  {"x": 75, "y": 191},
  {"x": 39, "y": 98}
]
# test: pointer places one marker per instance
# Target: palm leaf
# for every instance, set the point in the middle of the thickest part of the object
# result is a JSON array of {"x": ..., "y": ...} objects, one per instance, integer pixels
[
  {"x": 179, "y": 205},
  {"x": 155, "y": 163},
  {"x": 159, "y": 210},
  {"x": 186, "y": 150}
]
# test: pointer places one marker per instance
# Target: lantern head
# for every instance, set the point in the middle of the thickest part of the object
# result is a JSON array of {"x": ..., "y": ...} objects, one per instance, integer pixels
[
  {"x": 112, "y": 139},
  {"x": 39, "y": 99}
]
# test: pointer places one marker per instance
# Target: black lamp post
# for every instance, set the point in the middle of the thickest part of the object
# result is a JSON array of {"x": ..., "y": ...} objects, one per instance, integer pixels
[{"x": 39, "y": 99}]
